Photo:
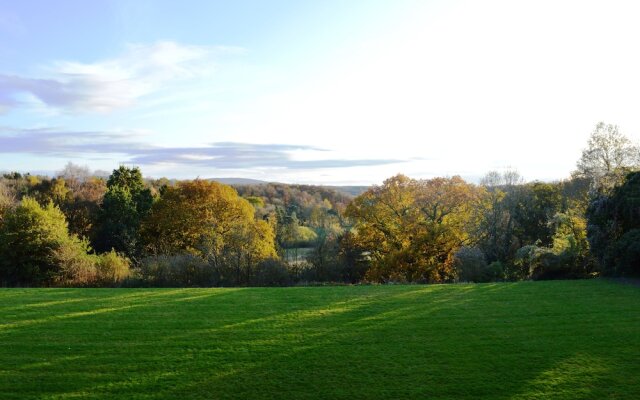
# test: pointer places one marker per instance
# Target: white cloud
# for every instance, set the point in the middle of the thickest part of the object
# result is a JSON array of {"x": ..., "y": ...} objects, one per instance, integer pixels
[{"x": 111, "y": 84}]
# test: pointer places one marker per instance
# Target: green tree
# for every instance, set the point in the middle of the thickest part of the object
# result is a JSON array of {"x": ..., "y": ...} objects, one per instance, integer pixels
[
  {"x": 538, "y": 203},
  {"x": 126, "y": 203},
  {"x": 35, "y": 245},
  {"x": 495, "y": 231},
  {"x": 613, "y": 222},
  {"x": 325, "y": 254}
]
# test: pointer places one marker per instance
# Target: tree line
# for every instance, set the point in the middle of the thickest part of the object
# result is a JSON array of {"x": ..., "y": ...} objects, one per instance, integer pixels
[{"x": 77, "y": 229}]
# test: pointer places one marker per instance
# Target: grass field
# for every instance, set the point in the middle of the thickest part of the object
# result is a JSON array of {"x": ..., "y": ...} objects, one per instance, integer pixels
[{"x": 529, "y": 340}]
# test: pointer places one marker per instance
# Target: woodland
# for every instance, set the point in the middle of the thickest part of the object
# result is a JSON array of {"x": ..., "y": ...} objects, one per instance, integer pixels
[{"x": 80, "y": 229}]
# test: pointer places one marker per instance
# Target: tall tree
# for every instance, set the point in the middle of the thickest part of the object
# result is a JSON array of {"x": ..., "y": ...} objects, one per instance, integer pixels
[
  {"x": 614, "y": 228},
  {"x": 538, "y": 203},
  {"x": 608, "y": 152},
  {"x": 495, "y": 233},
  {"x": 82, "y": 207},
  {"x": 7, "y": 199},
  {"x": 411, "y": 228},
  {"x": 74, "y": 174},
  {"x": 126, "y": 202},
  {"x": 210, "y": 220},
  {"x": 325, "y": 253}
]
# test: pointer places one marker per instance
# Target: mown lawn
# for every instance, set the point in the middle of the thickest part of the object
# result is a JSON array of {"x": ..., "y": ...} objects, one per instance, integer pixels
[{"x": 529, "y": 340}]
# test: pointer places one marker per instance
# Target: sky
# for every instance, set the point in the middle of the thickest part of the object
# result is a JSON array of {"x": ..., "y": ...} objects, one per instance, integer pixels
[{"x": 320, "y": 92}]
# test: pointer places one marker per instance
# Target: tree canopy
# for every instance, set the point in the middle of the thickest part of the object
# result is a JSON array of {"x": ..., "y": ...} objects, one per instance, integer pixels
[
  {"x": 125, "y": 204},
  {"x": 609, "y": 154},
  {"x": 411, "y": 228}
]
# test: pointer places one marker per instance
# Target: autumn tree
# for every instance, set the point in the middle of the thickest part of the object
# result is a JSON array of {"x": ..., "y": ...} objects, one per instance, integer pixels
[
  {"x": 570, "y": 242},
  {"x": 211, "y": 221},
  {"x": 411, "y": 228},
  {"x": 82, "y": 206},
  {"x": 53, "y": 190},
  {"x": 7, "y": 199},
  {"x": 35, "y": 246}
]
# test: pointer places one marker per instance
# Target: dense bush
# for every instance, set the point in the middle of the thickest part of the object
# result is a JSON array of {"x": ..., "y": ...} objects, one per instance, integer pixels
[
  {"x": 496, "y": 271},
  {"x": 271, "y": 272},
  {"x": 544, "y": 263},
  {"x": 111, "y": 269},
  {"x": 176, "y": 270},
  {"x": 470, "y": 265},
  {"x": 625, "y": 254},
  {"x": 75, "y": 266}
]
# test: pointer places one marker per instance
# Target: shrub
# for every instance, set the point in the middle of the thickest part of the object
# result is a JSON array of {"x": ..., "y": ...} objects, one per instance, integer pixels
[
  {"x": 550, "y": 266},
  {"x": 541, "y": 263},
  {"x": 76, "y": 267},
  {"x": 176, "y": 270},
  {"x": 470, "y": 265},
  {"x": 525, "y": 262},
  {"x": 112, "y": 269},
  {"x": 496, "y": 271},
  {"x": 271, "y": 272},
  {"x": 625, "y": 256}
]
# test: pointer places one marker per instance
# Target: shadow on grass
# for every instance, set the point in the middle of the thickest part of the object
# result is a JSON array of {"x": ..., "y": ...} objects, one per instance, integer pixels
[{"x": 461, "y": 341}]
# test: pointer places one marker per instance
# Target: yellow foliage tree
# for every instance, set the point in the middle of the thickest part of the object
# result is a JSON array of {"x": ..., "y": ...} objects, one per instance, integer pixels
[
  {"x": 210, "y": 220},
  {"x": 411, "y": 228}
]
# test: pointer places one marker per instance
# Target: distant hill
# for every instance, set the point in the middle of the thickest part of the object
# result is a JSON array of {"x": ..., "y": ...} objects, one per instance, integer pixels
[
  {"x": 239, "y": 181},
  {"x": 351, "y": 191}
]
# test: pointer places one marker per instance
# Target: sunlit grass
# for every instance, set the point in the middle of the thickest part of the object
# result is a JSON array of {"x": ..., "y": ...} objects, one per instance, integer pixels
[{"x": 537, "y": 340}]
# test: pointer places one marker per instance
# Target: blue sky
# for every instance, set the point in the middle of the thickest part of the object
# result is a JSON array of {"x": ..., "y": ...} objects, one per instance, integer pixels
[{"x": 313, "y": 91}]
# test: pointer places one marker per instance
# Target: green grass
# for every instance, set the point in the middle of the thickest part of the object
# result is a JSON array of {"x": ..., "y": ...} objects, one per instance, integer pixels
[{"x": 530, "y": 340}]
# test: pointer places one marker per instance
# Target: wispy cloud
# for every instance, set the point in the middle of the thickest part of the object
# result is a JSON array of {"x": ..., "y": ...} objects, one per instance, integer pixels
[
  {"x": 221, "y": 155},
  {"x": 114, "y": 83}
]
